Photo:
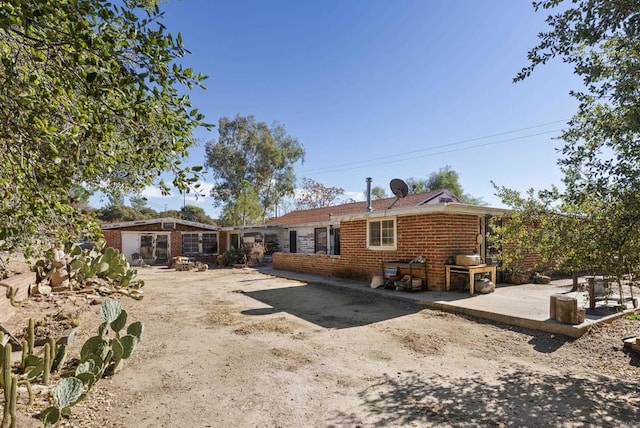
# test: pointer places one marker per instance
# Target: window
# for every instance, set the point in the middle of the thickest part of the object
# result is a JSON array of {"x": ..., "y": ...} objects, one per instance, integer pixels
[
  {"x": 190, "y": 243},
  {"x": 381, "y": 234},
  {"x": 320, "y": 239},
  {"x": 199, "y": 243},
  {"x": 210, "y": 243},
  {"x": 168, "y": 226}
]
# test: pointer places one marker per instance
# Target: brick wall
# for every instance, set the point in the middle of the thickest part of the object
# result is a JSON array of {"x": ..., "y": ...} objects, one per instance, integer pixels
[
  {"x": 319, "y": 264},
  {"x": 437, "y": 237},
  {"x": 114, "y": 238}
]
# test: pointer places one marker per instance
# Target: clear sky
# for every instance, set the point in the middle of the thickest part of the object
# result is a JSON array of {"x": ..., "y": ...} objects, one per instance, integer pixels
[{"x": 381, "y": 89}]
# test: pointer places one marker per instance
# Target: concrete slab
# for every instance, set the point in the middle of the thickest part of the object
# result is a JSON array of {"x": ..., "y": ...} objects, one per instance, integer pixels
[{"x": 524, "y": 305}]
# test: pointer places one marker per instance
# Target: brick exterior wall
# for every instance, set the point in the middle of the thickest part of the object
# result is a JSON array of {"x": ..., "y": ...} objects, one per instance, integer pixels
[
  {"x": 437, "y": 237},
  {"x": 319, "y": 264},
  {"x": 113, "y": 238}
]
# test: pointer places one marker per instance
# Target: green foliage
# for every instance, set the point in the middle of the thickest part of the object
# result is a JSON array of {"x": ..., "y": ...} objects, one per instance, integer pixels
[
  {"x": 138, "y": 202},
  {"x": 596, "y": 213},
  {"x": 252, "y": 152},
  {"x": 92, "y": 94},
  {"x": 113, "y": 213},
  {"x": 245, "y": 209},
  {"x": 100, "y": 353},
  {"x": 231, "y": 256},
  {"x": 85, "y": 264},
  {"x": 66, "y": 393},
  {"x": 194, "y": 213},
  {"x": 633, "y": 317},
  {"x": 445, "y": 178},
  {"x": 379, "y": 192}
]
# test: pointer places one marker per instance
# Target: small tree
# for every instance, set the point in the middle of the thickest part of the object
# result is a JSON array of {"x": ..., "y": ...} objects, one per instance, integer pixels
[
  {"x": 317, "y": 195},
  {"x": 378, "y": 192},
  {"x": 445, "y": 178}
]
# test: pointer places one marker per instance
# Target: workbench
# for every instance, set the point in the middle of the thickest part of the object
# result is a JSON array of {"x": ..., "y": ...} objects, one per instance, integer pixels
[{"x": 472, "y": 271}]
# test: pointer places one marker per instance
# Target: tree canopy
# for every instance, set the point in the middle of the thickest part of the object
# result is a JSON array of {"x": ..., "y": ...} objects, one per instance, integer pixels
[
  {"x": 317, "y": 195},
  {"x": 378, "y": 192},
  {"x": 195, "y": 213},
  {"x": 444, "y": 178},
  {"x": 600, "y": 157},
  {"x": 92, "y": 93},
  {"x": 252, "y": 165}
]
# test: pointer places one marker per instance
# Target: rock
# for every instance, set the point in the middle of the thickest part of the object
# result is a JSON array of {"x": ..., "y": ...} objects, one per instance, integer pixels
[{"x": 484, "y": 286}]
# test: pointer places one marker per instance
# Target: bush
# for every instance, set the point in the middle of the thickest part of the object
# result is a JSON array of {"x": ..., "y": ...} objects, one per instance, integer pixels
[{"x": 231, "y": 257}]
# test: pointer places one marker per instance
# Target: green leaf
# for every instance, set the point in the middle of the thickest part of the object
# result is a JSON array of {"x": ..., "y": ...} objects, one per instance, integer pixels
[
  {"x": 136, "y": 329},
  {"x": 110, "y": 310},
  {"x": 129, "y": 343},
  {"x": 94, "y": 345},
  {"x": 67, "y": 392},
  {"x": 88, "y": 379},
  {"x": 50, "y": 416},
  {"x": 119, "y": 323},
  {"x": 117, "y": 348}
]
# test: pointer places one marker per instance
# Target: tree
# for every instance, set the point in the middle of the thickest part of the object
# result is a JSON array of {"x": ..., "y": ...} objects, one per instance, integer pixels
[
  {"x": 194, "y": 213},
  {"x": 378, "y": 192},
  {"x": 79, "y": 196},
  {"x": 91, "y": 93},
  {"x": 445, "y": 178},
  {"x": 600, "y": 158},
  {"x": 138, "y": 202},
  {"x": 245, "y": 209},
  {"x": 317, "y": 195},
  {"x": 113, "y": 213},
  {"x": 602, "y": 42},
  {"x": 540, "y": 226},
  {"x": 251, "y": 151}
]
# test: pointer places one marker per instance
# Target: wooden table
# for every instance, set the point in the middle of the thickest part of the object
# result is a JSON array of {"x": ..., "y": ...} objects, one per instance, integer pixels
[{"x": 468, "y": 270}]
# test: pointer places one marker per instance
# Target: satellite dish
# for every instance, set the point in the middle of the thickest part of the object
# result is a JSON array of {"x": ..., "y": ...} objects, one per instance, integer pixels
[{"x": 398, "y": 188}]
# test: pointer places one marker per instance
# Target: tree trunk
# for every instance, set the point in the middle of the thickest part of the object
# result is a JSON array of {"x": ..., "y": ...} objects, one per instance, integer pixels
[{"x": 574, "y": 285}]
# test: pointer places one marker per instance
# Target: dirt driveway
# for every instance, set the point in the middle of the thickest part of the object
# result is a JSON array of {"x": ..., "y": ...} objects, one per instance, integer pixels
[{"x": 236, "y": 348}]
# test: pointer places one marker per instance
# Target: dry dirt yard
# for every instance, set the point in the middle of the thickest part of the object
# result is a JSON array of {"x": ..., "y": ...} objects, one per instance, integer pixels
[{"x": 236, "y": 348}]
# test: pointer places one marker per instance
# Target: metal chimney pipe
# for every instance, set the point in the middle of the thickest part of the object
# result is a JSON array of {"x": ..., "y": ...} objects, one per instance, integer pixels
[{"x": 369, "y": 209}]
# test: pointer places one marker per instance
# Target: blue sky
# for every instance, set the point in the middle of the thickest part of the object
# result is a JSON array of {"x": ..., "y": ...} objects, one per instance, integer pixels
[{"x": 381, "y": 89}]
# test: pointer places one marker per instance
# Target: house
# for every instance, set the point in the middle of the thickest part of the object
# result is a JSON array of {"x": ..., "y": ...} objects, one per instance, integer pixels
[
  {"x": 156, "y": 241},
  {"x": 351, "y": 240}
]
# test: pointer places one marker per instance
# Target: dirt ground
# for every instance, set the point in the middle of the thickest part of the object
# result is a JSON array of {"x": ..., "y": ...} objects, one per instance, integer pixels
[{"x": 234, "y": 347}]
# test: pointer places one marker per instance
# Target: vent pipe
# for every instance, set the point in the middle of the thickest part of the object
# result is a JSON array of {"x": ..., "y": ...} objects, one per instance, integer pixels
[{"x": 369, "y": 209}]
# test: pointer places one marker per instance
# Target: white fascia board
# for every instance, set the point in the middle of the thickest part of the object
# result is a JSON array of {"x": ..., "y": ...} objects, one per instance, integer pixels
[
  {"x": 161, "y": 220},
  {"x": 447, "y": 208}
]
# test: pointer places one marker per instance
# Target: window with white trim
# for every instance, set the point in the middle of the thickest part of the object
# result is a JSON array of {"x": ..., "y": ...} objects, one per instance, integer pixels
[
  {"x": 210, "y": 243},
  {"x": 381, "y": 234},
  {"x": 199, "y": 243},
  {"x": 190, "y": 243}
]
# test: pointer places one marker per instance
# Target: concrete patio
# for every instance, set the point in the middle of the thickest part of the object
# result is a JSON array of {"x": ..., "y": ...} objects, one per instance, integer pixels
[{"x": 524, "y": 305}]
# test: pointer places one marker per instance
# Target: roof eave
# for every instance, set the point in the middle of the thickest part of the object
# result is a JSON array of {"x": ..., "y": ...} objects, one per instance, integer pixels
[{"x": 449, "y": 208}]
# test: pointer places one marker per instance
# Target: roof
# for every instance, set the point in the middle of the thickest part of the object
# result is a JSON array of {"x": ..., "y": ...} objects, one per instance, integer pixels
[
  {"x": 318, "y": 215},
  {"x": 123, "y": 224}
]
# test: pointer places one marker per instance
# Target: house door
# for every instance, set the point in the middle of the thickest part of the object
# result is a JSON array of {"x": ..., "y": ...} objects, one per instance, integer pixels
[
  {"x": 336, "y": 241},
  {"x": 154, "y": 248},
  {"x": 293, "y": 241},
  {"x": 162, "y": 249},
  {"x": 234, "y": 241},
  {"x": 146, "y": 248},
  {"x": 320, "y": 241}
]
